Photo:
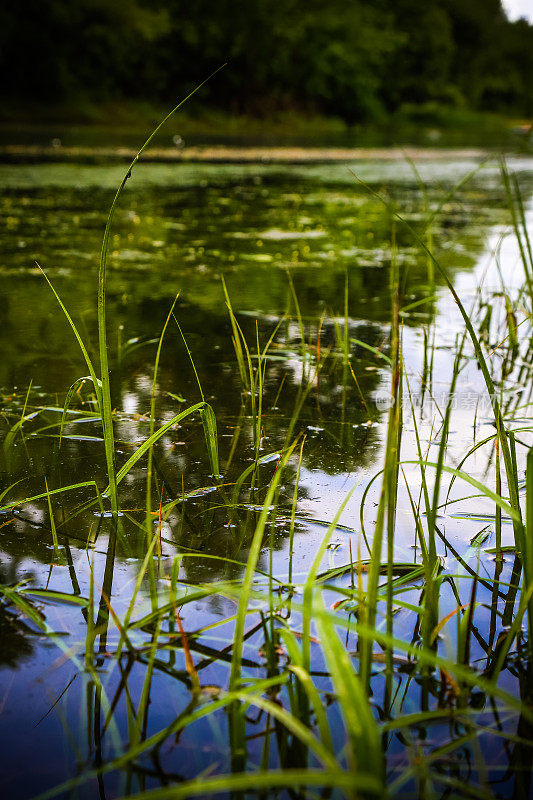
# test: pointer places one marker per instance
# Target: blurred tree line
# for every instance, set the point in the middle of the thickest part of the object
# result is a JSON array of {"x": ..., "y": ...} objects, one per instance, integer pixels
[{"x": 357, "y": 59}]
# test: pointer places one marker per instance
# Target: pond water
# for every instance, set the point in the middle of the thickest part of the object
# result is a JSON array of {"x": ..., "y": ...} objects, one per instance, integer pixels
[{"x": 302, "y": 249}]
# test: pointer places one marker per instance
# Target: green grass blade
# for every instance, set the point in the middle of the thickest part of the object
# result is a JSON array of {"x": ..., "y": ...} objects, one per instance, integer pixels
[
  {"x": 209, "y": 422},
  {"x": 96, "y": 382},
  {"x": 361, "y": 727},
  {"x": 146, "y": 445}
]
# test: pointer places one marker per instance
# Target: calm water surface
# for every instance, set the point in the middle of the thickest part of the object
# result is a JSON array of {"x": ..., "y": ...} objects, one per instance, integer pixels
[{"x": 273, "y": 233}]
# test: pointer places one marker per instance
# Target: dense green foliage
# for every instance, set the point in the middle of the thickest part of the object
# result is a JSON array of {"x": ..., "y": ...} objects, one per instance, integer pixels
[{"x": 358, "y": 59}]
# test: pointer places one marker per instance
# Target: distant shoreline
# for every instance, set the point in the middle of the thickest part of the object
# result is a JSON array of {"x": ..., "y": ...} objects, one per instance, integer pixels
[{"x": 222, "y": 154}]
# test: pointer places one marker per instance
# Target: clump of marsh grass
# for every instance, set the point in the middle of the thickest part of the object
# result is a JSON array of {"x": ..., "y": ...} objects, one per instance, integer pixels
[{"x": 346, "y": 647}]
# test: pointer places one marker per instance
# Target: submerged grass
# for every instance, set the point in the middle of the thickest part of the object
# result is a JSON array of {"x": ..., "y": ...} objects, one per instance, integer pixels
[{"x": 356, "y": 716}]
